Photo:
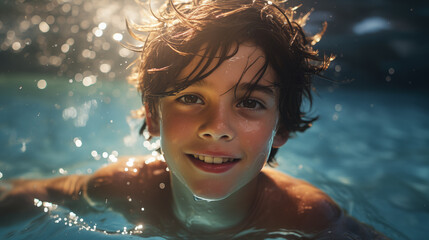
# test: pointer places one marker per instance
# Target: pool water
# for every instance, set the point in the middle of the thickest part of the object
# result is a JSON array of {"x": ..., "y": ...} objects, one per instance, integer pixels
[{"x": 368, "y": 151}]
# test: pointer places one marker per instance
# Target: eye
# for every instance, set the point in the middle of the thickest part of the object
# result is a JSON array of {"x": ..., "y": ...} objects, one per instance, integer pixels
[
  {"x": 190, "y": 99},
  {"x": 251, "y": 104}
]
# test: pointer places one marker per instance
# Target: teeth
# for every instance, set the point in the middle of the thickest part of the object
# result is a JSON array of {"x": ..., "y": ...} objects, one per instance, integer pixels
[
  {"x": 217, "y": 160},
  {"x": 214, "y": 160},
  {"x": 208, "y": 159}
]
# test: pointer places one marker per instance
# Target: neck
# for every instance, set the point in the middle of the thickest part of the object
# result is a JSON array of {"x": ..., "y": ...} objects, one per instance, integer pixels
[{"x": 209, "y": 216}]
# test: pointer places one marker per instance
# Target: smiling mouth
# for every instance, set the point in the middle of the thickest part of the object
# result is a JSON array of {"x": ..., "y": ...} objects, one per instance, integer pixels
[
  {"x": 212, "y": 164},
  {"x": 213, "y": 160}
]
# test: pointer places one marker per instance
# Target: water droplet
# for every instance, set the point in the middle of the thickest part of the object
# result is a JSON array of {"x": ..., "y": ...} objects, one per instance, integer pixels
[
  {"x": 16, "y": 46},
  {"x": 102, "y": 25},
  {"x": 117, "y": 37},
  {"x": 65, "y": 48},
  {"x": 35, "y": 19},
  {"x": 125, "y": 53},
  {"x": 130, "y": 162},
  {"x": 62, "y": 171},
  {"x": 338, "y": 107},
  {"x": 50, "y": 19},
  {"x": 97, "y": 32},
  {"x": 24, "y": 146},
  {"x": 43, "y": 27},
  {"x": 113, "y": 158},
  {"x": 105, "y": 68},
  {"x": 66, "y": 8},
  {"x": 337, "y": 68},
  {"x": 388, "y": 79},
  {"x": 41, "y": 84},
  {"x": 70, "y": 112},
  {"x": 24, "y": 25},
  {"x": 90, "y": 80},
  {"x": 70, "y": 41},
  {"x": 77, "y": 142},
  {"x": 94, "y": 153}
]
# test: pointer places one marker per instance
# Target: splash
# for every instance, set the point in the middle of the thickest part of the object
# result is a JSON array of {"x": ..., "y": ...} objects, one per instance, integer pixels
[{"x": 71, "y": 219}]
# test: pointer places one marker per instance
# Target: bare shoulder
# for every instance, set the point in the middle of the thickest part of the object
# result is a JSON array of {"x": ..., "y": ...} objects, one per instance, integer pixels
[
  {"x": 310, "y": 208},
  {"x": 125, "y": 176}
]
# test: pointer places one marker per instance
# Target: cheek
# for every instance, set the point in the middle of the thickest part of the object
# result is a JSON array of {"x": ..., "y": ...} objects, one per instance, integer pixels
[
  {"x": 175, "y": 127},
  {"x": 258, "y": 135}
]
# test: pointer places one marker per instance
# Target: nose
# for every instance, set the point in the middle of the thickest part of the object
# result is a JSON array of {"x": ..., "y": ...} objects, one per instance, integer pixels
[{"x": 217, "y": 125}]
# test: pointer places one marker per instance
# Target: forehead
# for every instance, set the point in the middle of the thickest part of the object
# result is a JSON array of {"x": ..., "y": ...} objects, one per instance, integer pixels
[{"x": 243, "y": 67}]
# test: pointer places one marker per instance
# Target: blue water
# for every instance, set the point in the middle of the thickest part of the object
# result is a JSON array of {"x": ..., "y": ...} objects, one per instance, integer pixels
[{"x": 368, "y": 151}]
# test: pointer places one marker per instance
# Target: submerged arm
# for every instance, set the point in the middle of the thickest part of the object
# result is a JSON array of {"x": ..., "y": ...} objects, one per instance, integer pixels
[
  {"x": 83, "y": 192},
  {"x": 17, "y": 196}
]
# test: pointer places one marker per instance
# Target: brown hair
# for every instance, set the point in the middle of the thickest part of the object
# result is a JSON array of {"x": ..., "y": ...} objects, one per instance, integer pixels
[{"x": 183, "y": 27}]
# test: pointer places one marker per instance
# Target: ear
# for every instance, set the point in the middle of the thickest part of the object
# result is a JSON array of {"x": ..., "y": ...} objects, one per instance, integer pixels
[
  {"x": 152, "y": 122},
  {"x": 280, "y": 139}
]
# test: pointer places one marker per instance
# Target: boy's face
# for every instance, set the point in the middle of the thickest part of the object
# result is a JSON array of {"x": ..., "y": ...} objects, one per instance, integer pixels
[{"x": 207, "y": 123}]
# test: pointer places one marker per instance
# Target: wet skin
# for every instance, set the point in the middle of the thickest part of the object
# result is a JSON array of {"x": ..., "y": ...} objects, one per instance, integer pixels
[{"x": 283, "y": 203}]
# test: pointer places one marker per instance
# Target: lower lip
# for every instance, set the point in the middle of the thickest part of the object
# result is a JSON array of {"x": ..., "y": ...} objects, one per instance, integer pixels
[{"x": 212, "y": 168}]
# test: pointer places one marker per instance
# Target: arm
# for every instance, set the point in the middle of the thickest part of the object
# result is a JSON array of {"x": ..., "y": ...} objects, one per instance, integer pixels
[
  {"x": 17, "y": 196},
  {"x": 110, "y": 184}
]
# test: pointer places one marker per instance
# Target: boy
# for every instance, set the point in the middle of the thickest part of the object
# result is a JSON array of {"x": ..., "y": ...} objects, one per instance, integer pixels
[{"x": 222, "y": 84}]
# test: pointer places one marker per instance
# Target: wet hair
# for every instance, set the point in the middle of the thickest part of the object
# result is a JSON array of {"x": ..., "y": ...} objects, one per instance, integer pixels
[{"x": 214, "y": 30}]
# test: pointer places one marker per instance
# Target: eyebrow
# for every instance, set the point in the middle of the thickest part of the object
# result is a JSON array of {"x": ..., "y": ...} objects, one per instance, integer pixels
[
  {"x": 267, "y": 89},
  {"x": 257, "y": 87}
]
